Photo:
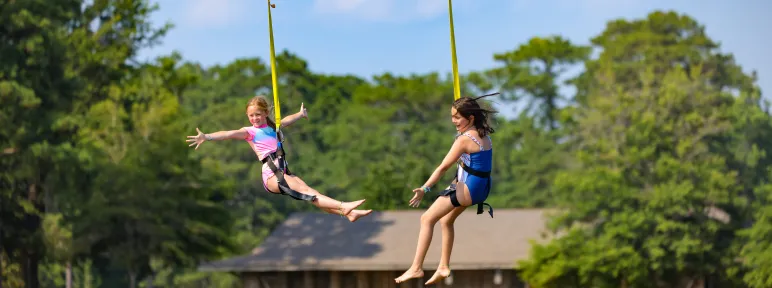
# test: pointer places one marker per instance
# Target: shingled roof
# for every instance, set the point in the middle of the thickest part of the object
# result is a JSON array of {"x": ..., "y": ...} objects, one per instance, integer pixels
[{"x": 387, "y": 241}]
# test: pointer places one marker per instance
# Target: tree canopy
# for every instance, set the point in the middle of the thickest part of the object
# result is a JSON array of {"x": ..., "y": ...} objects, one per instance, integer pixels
[{"x": 658, "y": 164}]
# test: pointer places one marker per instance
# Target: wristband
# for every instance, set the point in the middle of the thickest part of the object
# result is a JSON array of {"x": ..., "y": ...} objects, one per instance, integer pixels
[
  {"x": 426, "y": 189},
  {"x": 207, "y": 137}
]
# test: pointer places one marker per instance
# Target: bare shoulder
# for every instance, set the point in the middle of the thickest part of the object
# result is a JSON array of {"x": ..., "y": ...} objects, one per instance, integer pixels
[
  {"x": 476, "y": 140},
  {"x": 465, "y": 143}
]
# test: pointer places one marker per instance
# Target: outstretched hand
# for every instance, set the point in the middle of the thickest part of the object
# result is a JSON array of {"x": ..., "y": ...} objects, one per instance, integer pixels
[
  {"x": 419, "y": 195},
  {"x": 303, "y": 111},
  {"x": 196, "y": 140}
]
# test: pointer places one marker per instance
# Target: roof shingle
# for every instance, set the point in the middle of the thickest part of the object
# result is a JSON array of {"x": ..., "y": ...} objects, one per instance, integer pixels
[{"x": 387, "y": 241}]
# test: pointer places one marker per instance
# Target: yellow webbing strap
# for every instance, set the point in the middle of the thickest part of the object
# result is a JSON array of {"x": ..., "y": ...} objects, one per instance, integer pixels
[
  {"x": 456, "y": 85},
  {"x": 275, "y": 89}
]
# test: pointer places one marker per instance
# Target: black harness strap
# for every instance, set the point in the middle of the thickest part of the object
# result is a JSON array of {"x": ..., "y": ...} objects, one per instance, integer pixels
[
  {"x": 280, "y": 171},
  {"x": 451, "y": 190}
]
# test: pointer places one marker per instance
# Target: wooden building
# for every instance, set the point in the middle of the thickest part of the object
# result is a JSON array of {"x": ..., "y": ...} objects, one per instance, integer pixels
[{"x": 322, "y": 250}]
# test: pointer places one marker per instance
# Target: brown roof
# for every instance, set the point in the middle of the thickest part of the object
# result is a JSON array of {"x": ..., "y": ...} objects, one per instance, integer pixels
[{"x": 387, "y": 241}]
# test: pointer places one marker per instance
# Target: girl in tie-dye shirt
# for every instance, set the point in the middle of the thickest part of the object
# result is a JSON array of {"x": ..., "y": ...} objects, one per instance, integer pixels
[{"x": 262, "y": 138}]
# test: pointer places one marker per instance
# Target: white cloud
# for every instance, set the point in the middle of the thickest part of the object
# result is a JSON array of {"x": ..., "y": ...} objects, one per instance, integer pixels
[
  {"x": 387, "y": 10},
  {"x": 432, "y": 8},
  {"x": 215, "y": 12},
  {"x": 602, "y": 9}
]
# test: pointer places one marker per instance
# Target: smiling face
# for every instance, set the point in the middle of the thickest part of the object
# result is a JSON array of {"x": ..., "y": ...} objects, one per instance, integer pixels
[
  {"x": 257, "y": 116},
  {"x": 257, "y": 112},
  {"x": 459, "y": 120}
]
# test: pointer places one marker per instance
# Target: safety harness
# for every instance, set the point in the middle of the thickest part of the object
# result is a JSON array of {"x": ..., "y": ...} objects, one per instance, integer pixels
[
  {"x": 451, "y": 190},
  {"x": 282, "y": 170}
]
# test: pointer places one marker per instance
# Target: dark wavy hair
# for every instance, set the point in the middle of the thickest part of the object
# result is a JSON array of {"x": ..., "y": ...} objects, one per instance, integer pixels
[{"x": 470, "y": 106}]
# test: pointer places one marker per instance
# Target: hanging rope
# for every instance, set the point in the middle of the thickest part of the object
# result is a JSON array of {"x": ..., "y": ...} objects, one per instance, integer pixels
[
  {"x": 274, "y": 81},
  {"x": 456, "y": 84}
]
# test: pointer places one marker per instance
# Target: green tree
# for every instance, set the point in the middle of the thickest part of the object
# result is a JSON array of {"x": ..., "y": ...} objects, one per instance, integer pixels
[
  {"x": 58, "y": 240},
  {"x": 668, "y": 161},
  {"x": 751, "y": 147},
  {"x": 661, "y": 41},
  {"x": 528, "y": 158},
  {"x": 57, "y": 59},
  {"x": 533, "y": 145},
  {"x": 649, "y": 185},
  {"x": 533, "y": 72},
  {"x": 167, "y": 206}
]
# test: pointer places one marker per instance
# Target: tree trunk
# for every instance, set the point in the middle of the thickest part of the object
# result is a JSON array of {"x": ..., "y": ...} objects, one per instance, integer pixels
[
  {"x": 30, "y": 256},
  {"x": 68, "y": 274},
  {"x": 150, "y": 281},
  {"x": 132, "y": 279},
  {"x": 30, "y": 269}
]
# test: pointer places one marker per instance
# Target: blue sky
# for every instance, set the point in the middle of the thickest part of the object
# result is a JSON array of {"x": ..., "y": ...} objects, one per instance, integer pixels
[{"x": 368, "y": 37}]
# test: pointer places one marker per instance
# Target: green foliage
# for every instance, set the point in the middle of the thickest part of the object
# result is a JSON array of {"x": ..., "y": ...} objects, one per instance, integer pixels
[
  {"x": 757, "y": 251},
  {"x": 528, "y": 159},
  {"x": 668, "y": 162},
  {"x": 658, "y": 164},
  {"x": 52, "y": 274},
  {"x": 646, "y": 181},
  {"x": 533, "y": 71}
]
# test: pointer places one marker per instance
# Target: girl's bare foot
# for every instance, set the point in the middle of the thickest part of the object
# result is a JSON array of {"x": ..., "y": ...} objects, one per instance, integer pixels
[
  {"x": 356, "y": 214},
  {"x": 346, "y": 207},
  {"x": 410, "y": 274},
  {"x": 441, "y": 273}
]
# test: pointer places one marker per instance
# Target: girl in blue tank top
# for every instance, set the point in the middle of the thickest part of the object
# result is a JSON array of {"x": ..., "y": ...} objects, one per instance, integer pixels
[{"x": 473, "y": 154}]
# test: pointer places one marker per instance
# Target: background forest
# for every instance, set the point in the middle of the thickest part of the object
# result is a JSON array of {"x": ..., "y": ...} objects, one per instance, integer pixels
[{"x": 660, "y": 157}]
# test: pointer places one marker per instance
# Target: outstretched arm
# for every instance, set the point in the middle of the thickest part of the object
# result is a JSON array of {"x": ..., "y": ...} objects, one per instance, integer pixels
[
  {"x": 287, "y": 121},
  {"x": 455, "y": 152},
  {"x": 216, "y": 136},
  {"x": 224, "y": 135},
  {"x": 450, "y": 159}
]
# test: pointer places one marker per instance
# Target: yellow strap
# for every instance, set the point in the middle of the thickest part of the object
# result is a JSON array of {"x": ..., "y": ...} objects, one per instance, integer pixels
[
  {"x": 456, "y": 85},
  {"x": 275, "y": 89}
]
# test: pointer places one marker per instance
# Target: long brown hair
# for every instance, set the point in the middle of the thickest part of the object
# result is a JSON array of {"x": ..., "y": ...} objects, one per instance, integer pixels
[
  {"x": 468, "y": 106},
  {"x": 261, "y": 103}
]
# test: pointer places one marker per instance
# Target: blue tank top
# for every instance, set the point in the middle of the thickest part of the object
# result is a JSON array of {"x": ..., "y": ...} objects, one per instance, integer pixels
[{"x": 480, "y": 161}]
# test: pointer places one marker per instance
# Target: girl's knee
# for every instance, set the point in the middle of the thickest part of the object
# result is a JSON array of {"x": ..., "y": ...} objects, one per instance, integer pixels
[{"x": 427, "y": 218}]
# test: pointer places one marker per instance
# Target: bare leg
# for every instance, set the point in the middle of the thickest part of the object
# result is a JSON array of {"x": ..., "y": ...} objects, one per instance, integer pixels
[
  {"x": 323, "y": 202},
  {"x": 353, "y": 216},
  {"x": 448, "y": 235},
  {"x": 440, "y": 208}
]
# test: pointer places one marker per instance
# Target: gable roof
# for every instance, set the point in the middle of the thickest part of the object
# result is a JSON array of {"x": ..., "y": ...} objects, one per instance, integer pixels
[{"x": 387, "y": 241}]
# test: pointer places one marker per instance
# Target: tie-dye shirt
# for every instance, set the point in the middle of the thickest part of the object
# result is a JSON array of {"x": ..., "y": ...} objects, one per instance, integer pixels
[{"x": 263, "y": 141}]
